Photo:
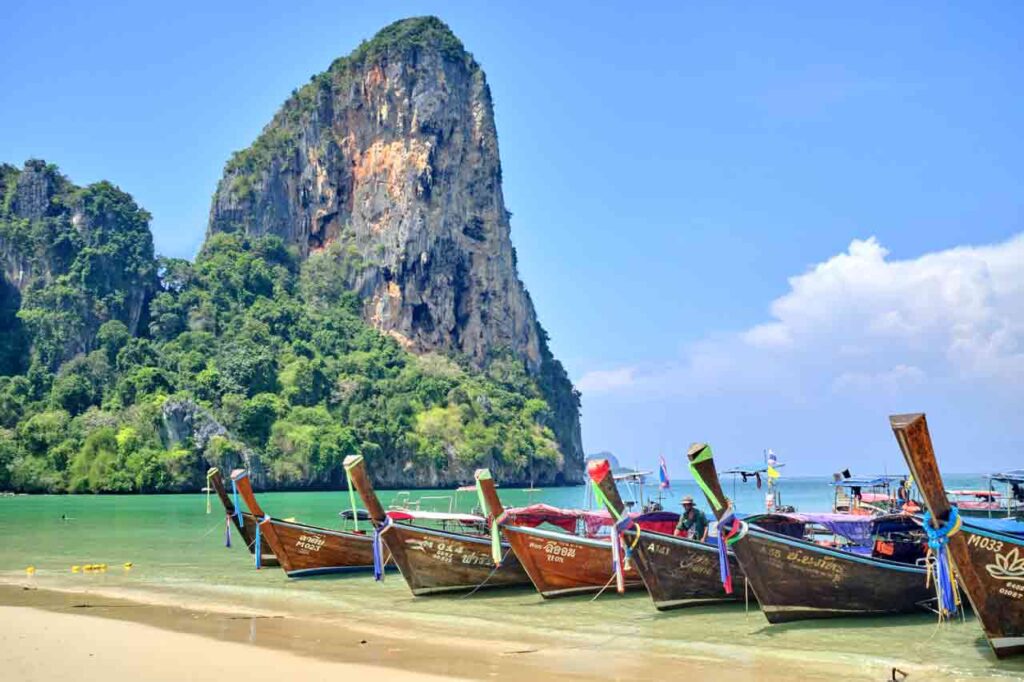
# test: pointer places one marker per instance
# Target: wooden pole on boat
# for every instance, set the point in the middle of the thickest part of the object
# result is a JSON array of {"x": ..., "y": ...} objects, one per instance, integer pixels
[
  {"x": 702, "y": 465},
  {"x": 355, "y": 469},
  {"x": 217, "y": 481},
  {"x": 600, "y": 473},
  {"x": 492, "y": 503},
  {"x": 911, "y": 431}
]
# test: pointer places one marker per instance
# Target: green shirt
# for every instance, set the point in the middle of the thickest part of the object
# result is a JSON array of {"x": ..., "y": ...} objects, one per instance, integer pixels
[{"x": 693, "y": 520}]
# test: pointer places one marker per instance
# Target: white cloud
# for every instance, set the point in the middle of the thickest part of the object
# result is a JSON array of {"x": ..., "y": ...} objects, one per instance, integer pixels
[
  {"x": 862, "y": 321},
  {"x": 605, "y": 381}
]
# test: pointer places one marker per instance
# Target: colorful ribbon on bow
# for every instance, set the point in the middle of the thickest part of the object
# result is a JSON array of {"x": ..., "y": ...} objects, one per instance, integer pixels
[
  {"x": 940, "y": 563},
  {"x": 378, "y": 548},
  {"x": 730, "y": 531}
]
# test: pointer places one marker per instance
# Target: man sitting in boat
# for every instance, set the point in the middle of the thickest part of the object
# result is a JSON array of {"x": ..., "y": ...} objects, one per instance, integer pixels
[{"x": 692, "y": 522}]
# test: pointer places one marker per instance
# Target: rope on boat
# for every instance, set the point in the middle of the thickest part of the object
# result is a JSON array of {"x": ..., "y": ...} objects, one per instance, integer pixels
[
  {"x": 601, "y": 591},
  {"x": 730, "y": 531},
  {"x": 238, "y": 505},
  {"x": 940, "y": 563},
  {"x": 378, "y": 548},
  {"x": 258, "y": 543},
  {"x": 487, "y": 579}
]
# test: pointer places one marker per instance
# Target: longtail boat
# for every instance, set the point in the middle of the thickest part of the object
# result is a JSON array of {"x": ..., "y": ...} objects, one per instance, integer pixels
[
  {"x": 303, "y": 550},
  {"x": 435, "y": 559},
  {"x": 988, "y": 554},
  {"x": 677, "y": 571},
  {"x": 574, "y": 561},
  {"x": 795, "y": 579},
  {"x": 243, "y": 521}
]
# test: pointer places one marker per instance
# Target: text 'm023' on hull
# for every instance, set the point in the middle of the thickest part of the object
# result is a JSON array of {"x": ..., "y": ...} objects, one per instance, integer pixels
[
  {"x": 796, "y": 579},
  {"x": 243, "y": 521},
  {"x": 434, "y": 560},
  {"x": 988, "y": 554},
  {"x": 559, "y": 563},
  {"x": 677, "y": 571},
  {"x": 303, "y": 550}
]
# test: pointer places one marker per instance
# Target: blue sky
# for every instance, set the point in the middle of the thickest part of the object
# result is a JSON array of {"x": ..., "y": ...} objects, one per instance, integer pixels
[{"x": 741, "y": 225}]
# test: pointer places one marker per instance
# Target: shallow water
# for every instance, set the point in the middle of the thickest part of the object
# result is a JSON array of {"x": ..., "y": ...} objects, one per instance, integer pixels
[{"x": 178, "y": 553}]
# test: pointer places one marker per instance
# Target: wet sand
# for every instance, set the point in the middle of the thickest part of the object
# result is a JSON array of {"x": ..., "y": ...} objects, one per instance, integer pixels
[{"x": 49, "y": 634}]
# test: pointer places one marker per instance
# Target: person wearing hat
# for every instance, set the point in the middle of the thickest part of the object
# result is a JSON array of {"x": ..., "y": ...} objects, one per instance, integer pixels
[{"x": 692, "y": 522}]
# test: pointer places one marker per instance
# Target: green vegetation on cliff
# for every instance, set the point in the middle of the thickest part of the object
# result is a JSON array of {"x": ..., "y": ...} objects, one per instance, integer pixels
[{"x": 274, "y": 350}]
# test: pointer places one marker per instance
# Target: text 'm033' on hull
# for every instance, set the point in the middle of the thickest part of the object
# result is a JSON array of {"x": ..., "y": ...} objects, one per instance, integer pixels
[
  {"x": 796, "y": 579},
  {"x": 575, "y": 561},
  {"x": 436, "y": 559},
  {"x": 304, "y": 550},
  {"x": 677, "y": 571},
  {"x": 988, "y": 554},
  {"x": 243, "y": 521}
]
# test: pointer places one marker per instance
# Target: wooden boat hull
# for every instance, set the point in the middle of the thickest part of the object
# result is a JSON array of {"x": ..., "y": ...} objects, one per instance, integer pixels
[
  {"x": 989, "y": 564},
  {"x": 996, "y": 588},
  {"x": 679, "y": 572},
  {"x": 435, "y": 561},
  {"x": 560, "y": 564},
  {"x": 309, "y": 550},
  {"x": 797, "y": 580}
]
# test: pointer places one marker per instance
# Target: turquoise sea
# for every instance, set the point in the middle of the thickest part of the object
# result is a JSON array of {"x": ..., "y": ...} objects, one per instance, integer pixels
[{"x": 178, "y": 557}]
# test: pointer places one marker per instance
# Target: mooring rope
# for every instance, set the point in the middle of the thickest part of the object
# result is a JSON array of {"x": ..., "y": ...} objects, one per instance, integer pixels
[{"x": 487, "y": 579}]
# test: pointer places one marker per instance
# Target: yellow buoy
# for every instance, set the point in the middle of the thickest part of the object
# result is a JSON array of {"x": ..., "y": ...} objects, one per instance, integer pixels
[
  {"x": 128, "y": 565},
  {"x": 30, "y": 570},
  {"x": 74, "y": 569}
]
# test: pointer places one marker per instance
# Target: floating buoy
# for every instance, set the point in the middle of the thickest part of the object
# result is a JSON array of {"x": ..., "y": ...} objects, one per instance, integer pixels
[
  {"x": 128, "y": 565},
  {"x": 30, "y": 570},
  {"x": 74, "y": 569}
]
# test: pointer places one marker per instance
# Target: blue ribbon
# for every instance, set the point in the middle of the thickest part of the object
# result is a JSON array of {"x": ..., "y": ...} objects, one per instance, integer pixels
[
  {"x": 378, "y": 548},
  {"x": 258, "y": 551},
  {"x": 728, "y": 533},
  {"x": 938, "y": 541},
  {"x": 238, "y": 506}
]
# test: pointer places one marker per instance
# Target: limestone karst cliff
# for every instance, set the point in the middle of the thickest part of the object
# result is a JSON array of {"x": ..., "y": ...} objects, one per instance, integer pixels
[
  {"x": 71, "y": 258},
  {"x": 388, "y": 162}
]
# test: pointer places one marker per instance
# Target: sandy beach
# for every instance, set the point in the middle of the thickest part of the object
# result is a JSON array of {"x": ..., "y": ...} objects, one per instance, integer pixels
[{"x": 52, "y": 634}]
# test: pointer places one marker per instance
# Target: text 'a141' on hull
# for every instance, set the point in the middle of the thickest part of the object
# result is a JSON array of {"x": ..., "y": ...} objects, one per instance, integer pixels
[{"x": 677, "y": 571}]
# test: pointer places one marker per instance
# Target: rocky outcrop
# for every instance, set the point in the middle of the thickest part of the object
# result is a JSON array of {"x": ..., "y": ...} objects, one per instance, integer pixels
[
  {"x": 77, "y": 256},
  {"x": 388, "y": 163}
]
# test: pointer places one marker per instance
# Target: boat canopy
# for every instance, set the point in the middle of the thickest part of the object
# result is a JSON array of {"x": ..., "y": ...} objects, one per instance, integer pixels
[
  {"x": 566, "y": 519},
  {"x": 859, "y": 529},
  {"x": 975, "y": 493},
  {"x": 1007, "y": 526},
  {"x": 1015, "y": 476},
  {"x": 866, "y": 481},
  {"x": 414, "y": 515}
]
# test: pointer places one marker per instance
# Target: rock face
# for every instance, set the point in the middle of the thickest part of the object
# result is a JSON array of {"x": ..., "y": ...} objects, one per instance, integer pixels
[
  {"x": 388, "y": 162},
  {"x": 72, "y": 258}
]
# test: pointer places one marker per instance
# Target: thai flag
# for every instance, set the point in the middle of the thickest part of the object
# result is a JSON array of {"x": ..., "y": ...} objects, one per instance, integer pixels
[{"x": 663, "y": 474}]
